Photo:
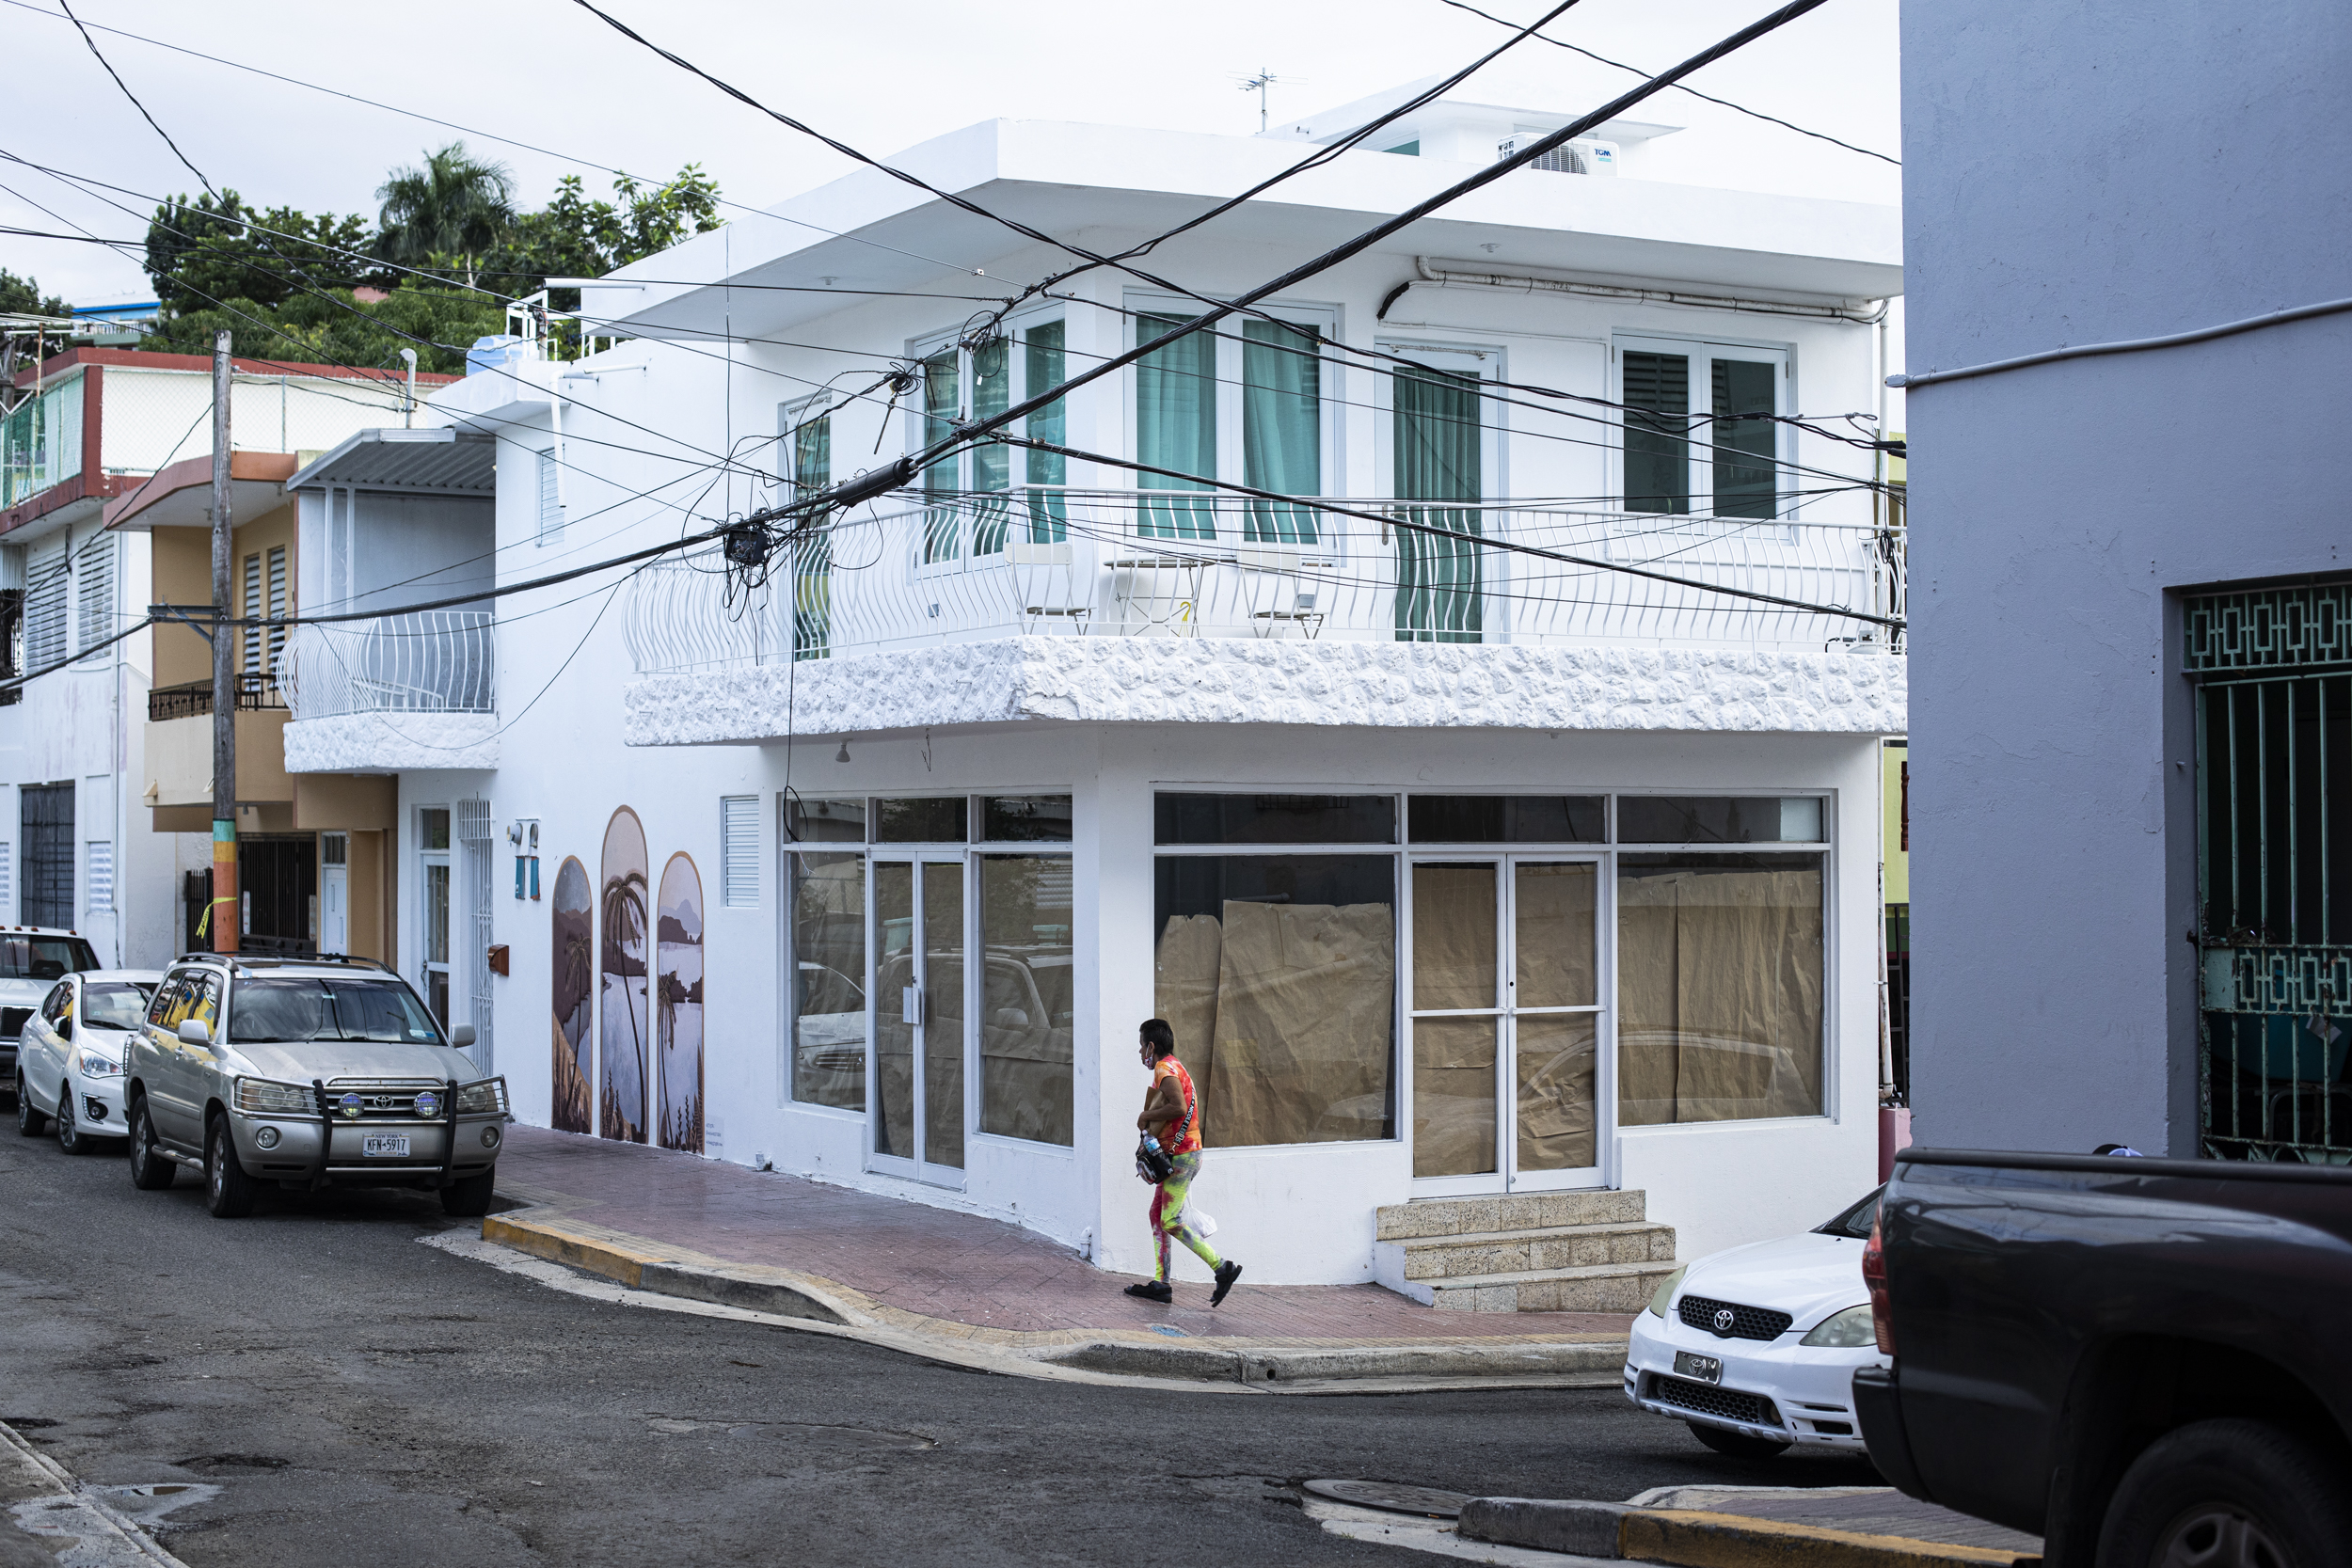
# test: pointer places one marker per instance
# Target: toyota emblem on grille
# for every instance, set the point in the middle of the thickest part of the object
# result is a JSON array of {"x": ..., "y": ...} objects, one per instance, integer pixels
[{"x": 1725, "y": 1318}]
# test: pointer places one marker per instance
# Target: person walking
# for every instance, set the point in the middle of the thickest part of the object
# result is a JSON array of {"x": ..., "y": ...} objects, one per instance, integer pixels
[{"x": 1171, "y": 1113}]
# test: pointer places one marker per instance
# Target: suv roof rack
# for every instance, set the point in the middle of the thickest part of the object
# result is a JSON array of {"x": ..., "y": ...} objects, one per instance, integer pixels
[{"x": 254, "y": 960}]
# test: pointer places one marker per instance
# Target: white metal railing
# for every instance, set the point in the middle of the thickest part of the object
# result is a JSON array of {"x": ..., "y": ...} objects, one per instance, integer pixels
[
  {"x": 426, "y": 662},
  {"x": 1193, "y": 563}
]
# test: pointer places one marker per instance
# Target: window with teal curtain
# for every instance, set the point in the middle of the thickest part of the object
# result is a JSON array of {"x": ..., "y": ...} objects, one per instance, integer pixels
[
  {"x": 1745, "y": 483},
  {"x": 1281, "y": 428},
  {"x": 1439, "y": 456},
  {"x": 992, "y": 463},
  {"x": 943, "y": 404},
  {"x": 1044, "y": 367},
  {"x": 812, "y": 546},
  {"x": 1657, "y": 433},
  {"x": 1176, "y": 430}
]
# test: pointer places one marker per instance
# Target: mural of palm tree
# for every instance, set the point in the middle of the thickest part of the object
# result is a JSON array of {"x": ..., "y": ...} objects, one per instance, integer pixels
[
  {"x": 455, "y": 205},
  {"x": 625, "y": 932}
]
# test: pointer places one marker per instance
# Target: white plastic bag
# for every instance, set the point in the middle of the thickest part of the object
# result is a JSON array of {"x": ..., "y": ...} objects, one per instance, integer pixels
[{"x": 1199, "y": 1221}]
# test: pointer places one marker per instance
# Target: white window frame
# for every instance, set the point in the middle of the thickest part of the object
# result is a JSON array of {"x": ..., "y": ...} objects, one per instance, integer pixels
[
  {"x": 921, "y": 349},
  {"x": 1333, "y": 391},
  {"x": 1701, "y": 352}
]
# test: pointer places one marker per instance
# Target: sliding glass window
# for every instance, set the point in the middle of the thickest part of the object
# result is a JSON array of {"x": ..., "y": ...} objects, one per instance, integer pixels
[
  {"x": 1242, "y": 402},
  {"x": 971, "y": 511}
]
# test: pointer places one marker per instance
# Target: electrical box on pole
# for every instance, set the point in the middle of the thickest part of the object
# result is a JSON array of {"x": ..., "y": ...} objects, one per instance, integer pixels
[{"x": 226, "y": 903}]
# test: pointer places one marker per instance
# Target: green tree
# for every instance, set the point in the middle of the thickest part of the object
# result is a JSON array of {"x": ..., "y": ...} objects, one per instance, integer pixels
[
  {"x": 455, "y": 205},
  {"x": 206, "y": 251},
  {"x": 22, "y": 297}
]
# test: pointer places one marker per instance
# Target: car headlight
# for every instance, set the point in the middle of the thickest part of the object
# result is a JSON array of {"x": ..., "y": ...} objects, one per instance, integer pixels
[
  {"x": 89, "y": 1064},
  {"x": 260, "y": 1096},
  {"x": 487, "y": 1097},
  {"x": 1666, "y": 1290},
  {"x": 1847, "y": 1330}
]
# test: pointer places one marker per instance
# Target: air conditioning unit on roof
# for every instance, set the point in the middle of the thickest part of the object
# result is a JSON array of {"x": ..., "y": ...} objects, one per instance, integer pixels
[{"x": 1584, "y": 156}]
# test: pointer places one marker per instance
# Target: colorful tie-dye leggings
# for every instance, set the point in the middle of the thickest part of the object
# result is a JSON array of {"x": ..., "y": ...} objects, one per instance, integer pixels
[{"x": 1167, "y": 1209}]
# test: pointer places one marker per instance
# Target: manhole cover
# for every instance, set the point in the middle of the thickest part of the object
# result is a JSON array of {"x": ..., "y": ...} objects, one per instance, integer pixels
[{"x": 1425, "y": 1500}]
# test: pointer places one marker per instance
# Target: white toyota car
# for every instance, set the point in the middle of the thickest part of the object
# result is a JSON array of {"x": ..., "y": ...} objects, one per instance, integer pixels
[
  {"x": 1756, "y": 1347},
  {"x": 68, "y": 1059}
]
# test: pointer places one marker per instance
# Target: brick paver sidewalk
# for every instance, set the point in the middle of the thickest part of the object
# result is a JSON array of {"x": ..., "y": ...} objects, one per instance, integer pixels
[{"x": 939, "y": 1264}]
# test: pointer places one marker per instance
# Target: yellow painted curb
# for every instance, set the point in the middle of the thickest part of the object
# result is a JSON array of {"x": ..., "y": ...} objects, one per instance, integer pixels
[
  {"x": 1691, "y": 1539},
  {"x": 613, "y": 1263}
]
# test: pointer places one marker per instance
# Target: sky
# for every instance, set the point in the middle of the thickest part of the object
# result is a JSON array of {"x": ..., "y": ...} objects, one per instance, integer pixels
[{"x": 550, "y": 74}]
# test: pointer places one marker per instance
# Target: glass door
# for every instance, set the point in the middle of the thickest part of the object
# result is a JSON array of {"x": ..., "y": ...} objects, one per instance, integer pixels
[
  {"x": 917, "y": 1070},
  {"x": 1506, "y": 1024}
]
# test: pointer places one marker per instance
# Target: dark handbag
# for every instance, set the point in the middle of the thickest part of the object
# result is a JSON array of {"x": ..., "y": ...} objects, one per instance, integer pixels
[{"x": 1152, "y": 1163}]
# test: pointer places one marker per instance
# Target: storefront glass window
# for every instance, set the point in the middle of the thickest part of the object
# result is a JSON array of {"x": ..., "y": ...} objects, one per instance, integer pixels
[
  {"x": 1507, "y": 818},
  {"x": 1274, "y": 818},
  {"x": 1719, "y": 820},
  {"x": 1719, "y": 987},
  {"x": 820, "y": 821},
  {"x": 1278, "y": 976},
  {"x": 1027, "y": 1007},
  {"x": 1025, "y": 818},
  {"x": 920, "y": 819},
  {"x": 828, "y": 989}
]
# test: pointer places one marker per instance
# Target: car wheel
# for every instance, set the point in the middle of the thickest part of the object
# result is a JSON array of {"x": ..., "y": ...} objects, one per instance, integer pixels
[
  {"x": 469, "y": 1198},
  {"x": 2227, "y": 1491},
  {"x": 30, "y": 1123},
  {"x": 1737, "y": 1445},
  {"x": 228, "y": 1193},
  {"x": 149, "y": 1171},
  {"x": 69, "y": 1136}
]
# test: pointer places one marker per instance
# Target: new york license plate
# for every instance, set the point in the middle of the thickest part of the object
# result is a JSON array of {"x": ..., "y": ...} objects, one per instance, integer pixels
[
  {"x": 394, "y": 1145},
  {"x": 1702, "y": 1369}
]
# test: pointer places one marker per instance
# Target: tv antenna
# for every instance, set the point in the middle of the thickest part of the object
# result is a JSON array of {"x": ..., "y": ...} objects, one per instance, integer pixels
[{"x": 1259, "y": 83}]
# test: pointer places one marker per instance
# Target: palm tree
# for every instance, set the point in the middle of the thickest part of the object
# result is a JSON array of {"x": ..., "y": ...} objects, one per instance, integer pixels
[
  {"x": 453, "y": 206},
  {"x": 625, "y": 946}
]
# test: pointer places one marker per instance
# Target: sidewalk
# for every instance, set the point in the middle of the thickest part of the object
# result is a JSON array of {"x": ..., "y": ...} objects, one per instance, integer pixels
[{"x": 673, "y": 1223}]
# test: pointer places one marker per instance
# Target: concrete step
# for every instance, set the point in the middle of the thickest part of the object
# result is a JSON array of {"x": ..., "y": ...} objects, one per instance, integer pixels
[
  {"x": 1468, "y": 1216},
  {"x": 1603, "y": 1287},
  {"x": 1558, "y": 1246}
]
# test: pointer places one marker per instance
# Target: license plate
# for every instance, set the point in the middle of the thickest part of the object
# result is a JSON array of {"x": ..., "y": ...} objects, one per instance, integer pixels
[
  {"x": 1702, "y": 1369},
  {"x": 394, "y": 1145}
]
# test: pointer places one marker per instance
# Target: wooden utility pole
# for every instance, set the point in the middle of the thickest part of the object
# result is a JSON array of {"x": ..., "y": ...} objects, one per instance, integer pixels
[{"x": 225, "y": 904}]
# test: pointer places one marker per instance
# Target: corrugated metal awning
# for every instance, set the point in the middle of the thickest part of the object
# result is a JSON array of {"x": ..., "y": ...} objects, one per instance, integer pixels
[{"x": 442, "y": 462}]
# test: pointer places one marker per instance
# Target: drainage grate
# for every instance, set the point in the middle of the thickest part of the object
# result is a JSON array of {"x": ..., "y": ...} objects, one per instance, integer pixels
[{"x": 1393, "y": 1497}]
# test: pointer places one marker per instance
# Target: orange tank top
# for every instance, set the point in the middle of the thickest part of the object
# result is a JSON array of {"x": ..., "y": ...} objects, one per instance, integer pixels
[{"x": 1184, "y": 1138}]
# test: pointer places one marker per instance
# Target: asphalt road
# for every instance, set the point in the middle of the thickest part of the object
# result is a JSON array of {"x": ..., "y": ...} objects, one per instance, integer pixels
[{"x": 358, "y": 1398}]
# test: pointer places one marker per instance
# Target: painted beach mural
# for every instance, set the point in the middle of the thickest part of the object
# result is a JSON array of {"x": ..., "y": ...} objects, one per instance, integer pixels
[
  {"x": 573, "y": 954},
  {"x": 678, "y": 1004},
  {"x": 624, "y": 1024}
]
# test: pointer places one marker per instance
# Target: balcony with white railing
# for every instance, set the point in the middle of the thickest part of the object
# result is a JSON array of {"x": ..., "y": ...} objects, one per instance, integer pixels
[
  {"x": 883, "y": 622},
  {"x": 393, "y": 691}
]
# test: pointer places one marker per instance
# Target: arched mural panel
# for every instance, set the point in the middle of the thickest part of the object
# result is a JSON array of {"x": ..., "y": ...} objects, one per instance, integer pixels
[
  {"x": 624, "y": 1024},
  {"x": 678, "y": 1004},
  {"x": 573, "y": 964}
]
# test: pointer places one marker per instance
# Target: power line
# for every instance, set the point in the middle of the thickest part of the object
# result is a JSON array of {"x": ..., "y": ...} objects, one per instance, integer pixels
[
  {"x": 898, "y": 473},
  {"x": 134, "y": 97},
  {"x": 486, "y": 135},
  {"x": 1725, "y": 102}
]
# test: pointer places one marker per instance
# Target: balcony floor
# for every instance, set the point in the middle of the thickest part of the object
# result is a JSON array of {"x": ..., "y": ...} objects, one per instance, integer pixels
[{"x": 1154, "y": 680}]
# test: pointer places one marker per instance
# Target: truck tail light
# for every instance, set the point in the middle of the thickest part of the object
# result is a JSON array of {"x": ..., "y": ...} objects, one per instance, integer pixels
[{"x": 1874, "y": 1276}]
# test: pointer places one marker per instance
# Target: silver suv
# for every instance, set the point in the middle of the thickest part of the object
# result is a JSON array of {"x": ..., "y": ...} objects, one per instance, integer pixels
[{"x": 308, "y": 1073}]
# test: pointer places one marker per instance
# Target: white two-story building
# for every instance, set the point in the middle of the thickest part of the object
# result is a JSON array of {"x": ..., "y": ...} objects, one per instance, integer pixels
[{"x": 1494, "y": 814}]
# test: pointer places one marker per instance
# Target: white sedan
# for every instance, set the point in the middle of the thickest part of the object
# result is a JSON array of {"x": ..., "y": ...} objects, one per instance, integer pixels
[
  {"x": 68, "y": 1059},
  {"x": 1756, "y": 1347}
]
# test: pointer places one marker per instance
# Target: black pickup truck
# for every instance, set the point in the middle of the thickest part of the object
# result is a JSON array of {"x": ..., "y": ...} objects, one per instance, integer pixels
[{"x": 2146, "y": 1362}]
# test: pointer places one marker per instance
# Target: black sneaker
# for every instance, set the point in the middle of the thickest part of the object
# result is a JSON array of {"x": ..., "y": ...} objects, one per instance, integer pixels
[
  {"x": 1159, "y": 1290},
  {"x": 1227, "y": 1272}
]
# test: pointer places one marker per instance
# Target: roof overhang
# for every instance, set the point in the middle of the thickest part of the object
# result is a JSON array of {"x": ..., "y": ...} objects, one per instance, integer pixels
[
  {"x": 442, "y": 462},
  {"x": 873, "y": 231},
  {"x": 181, "y": 496}
]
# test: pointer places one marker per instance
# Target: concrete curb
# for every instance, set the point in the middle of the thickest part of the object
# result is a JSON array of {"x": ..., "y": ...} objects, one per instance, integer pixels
[
  {"x": 1695, "y": 1539},
  {"x": 1594, "y": 1361}
]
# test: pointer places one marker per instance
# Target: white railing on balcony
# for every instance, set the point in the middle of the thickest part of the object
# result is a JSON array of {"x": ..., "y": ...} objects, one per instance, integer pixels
[
  {"x": 427, "y": 661},
  {"x": 1197, "y": 565}
]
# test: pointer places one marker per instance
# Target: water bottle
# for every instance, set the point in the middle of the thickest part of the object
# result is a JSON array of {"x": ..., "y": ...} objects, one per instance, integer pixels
[{"x": 1152, "y": 1143}]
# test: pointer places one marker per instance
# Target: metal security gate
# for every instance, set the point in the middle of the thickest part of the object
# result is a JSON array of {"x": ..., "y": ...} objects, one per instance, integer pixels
[
  {"x": 46, "y": 820},
  {"x": 475, "y": 837},
  {"x": 2274, "y": 801}
]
